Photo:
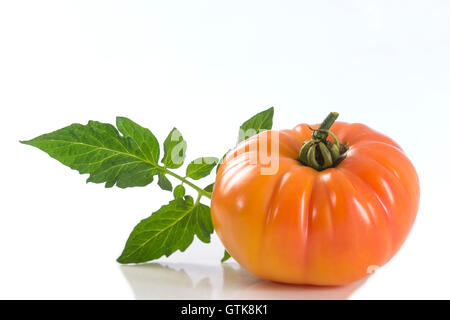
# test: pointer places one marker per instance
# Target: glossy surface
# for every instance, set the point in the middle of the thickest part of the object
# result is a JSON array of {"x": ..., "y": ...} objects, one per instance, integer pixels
[
  {"x": 302, "y": 226},
  {"x": 220, "y": 281}
]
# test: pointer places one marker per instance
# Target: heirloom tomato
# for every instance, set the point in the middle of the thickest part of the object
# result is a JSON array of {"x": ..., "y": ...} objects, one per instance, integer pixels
[{"x": 321, "y": 205}]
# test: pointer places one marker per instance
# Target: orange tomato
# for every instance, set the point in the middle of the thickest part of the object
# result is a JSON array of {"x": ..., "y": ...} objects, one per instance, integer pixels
[{"x": 303, "y": 226}]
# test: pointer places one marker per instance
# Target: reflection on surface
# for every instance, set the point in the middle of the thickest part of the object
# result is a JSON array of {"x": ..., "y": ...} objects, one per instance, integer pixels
[
  {"x": 271, "y": 290},
  {"x": 221, "y": 281},
  {"x": 170, "y": 281}
]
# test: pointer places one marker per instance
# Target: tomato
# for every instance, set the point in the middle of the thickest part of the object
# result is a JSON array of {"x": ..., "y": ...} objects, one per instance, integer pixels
[{"x": 302, "y": 225}]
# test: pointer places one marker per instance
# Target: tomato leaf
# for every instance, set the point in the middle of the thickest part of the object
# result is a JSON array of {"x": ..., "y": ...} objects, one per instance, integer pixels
[
  {"x": 221, "y": 160},
  {"x": 201, "y": 167},
  {"x": 179, "y": 191},
  {"x": 100, "y": 150},
  {"x": 226, "y": 256},
  {"x": 256, "y": 124},
  {"x": 163, "y": 182},
  {"x": 174, "y": 149},
  {"x": 209, "y": 187},
  {"x": 167, "y": 230},
  {"x": 144, "y": 138}
]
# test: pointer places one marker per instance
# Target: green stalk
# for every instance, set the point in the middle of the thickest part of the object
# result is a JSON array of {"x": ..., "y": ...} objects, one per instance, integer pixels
[
  {"x": 200, "y": 191},
  {"x": 325, "y": 125},
  {"x": 320, "y": 153}
]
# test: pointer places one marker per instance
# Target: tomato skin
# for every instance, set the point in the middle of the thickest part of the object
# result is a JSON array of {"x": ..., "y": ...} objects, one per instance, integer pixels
[{"x": 303, "y": 226}]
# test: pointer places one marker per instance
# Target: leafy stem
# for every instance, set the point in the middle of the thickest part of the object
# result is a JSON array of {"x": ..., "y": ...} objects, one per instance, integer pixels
[{"x": 129, "y": 155}]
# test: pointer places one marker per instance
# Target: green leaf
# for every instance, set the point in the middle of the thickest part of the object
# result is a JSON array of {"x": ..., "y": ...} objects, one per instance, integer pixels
[
  {"x": 221, "y": 160},
  {"x": 209, "y": 187},
  {"x": 226, "y": 256},
  {"x": 179, "y": 191},
  {"x": 163, "y": 182},
  {"x": 258, "y": 123},
  {"x": 167, "y": 230},
  {"x": 174, "y": 149},
  {"x": 144, "y": 138},
  {"x": 99, "y": 150},
  {"x": 201, "y": 167}
]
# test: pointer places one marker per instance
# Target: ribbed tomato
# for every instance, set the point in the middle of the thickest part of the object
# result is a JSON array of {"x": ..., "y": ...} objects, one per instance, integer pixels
[{"x": 308, "y": 226}]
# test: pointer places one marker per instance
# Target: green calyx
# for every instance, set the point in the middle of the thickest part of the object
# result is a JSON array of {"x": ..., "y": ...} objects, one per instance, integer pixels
[{"x": 320, "y": 153}]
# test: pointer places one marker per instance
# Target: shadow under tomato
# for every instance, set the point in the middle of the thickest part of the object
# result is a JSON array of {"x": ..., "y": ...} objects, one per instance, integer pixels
[
  {"x": 269, "y": 290},
  {"x": 221, "y": 281}
]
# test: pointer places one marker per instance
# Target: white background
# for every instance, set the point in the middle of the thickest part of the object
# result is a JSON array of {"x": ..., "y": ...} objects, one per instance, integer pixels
[{"x": 206, "y": 66}]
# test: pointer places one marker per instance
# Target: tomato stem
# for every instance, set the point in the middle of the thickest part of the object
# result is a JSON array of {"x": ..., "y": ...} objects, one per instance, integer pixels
[
  {"x": 320, "y": 153},
  {"x": 321, "y": 132}
]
